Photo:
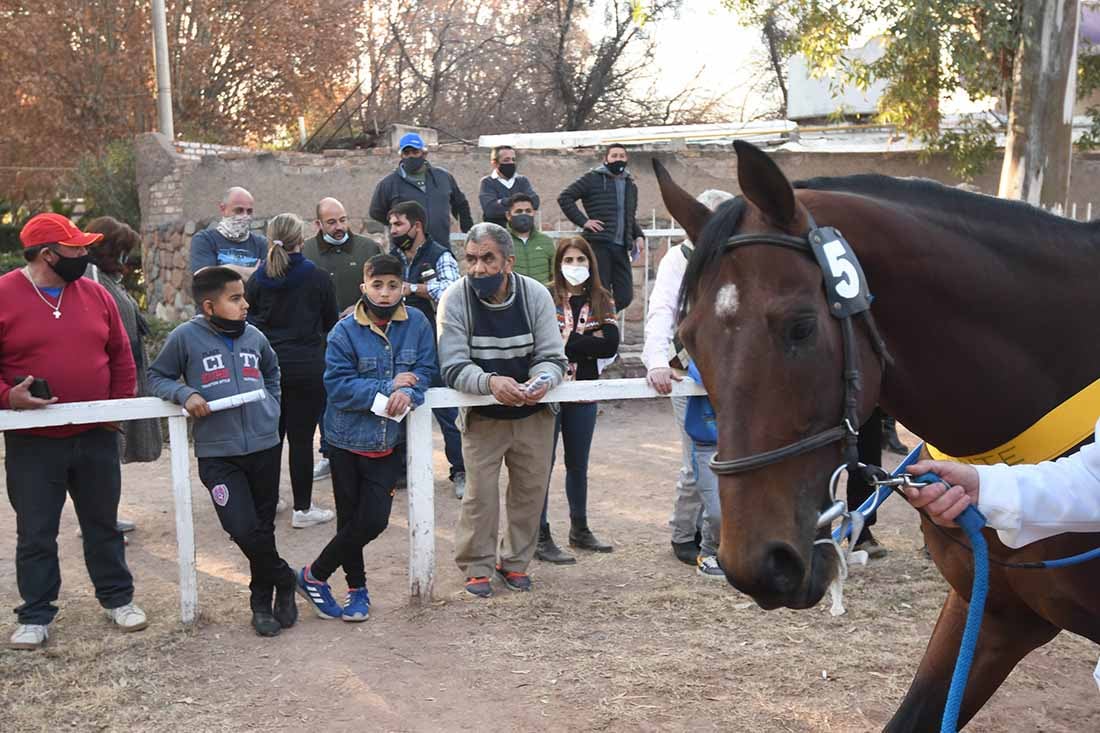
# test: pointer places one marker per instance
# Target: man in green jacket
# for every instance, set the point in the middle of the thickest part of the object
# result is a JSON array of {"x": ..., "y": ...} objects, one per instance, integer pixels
[{"x": 534, "y": 250}]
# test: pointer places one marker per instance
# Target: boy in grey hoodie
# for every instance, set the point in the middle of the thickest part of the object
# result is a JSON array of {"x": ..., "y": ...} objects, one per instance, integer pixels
[{"x": 219, "y": 354}]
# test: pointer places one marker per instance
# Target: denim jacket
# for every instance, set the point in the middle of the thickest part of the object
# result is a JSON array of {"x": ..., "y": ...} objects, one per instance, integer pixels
[{"x": 361, "y": 362}]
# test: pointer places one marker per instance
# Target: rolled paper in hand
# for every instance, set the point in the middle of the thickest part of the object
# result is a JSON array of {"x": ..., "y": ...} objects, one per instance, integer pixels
[{"x": 227, "y": 403}]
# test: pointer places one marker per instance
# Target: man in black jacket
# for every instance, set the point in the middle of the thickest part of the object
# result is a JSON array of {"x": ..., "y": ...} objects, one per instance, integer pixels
[
  {"x": 433, "y": 188},
  {"x": 498, "y": 187},
  {"x": 610, "y": 199}
]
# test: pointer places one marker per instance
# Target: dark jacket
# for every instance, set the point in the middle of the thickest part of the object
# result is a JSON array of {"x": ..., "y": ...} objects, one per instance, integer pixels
[
  {"x": 294, "y": 312},
  {"x": 494, "y": 197},
  {"x": 440, "y": 199},
  {"x": 343, "y": 262},
  {"x": 426, "y": 258},
  {"x": 596, "y": 192}
]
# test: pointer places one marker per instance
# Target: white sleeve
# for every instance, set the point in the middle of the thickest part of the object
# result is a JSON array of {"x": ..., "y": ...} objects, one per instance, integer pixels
[
  {"x": 1028, "y": 503},
  {"x": 664, "y": 301}
]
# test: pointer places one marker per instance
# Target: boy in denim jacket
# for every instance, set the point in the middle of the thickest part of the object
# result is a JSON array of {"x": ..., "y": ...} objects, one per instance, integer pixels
[{"x": 383, "y": 348}]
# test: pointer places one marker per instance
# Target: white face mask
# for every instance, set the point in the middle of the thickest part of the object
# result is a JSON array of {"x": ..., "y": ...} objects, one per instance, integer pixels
[
  {"x": 575, "y": 274},
  {"x": 332, "y": 240},
  {"x": 235, "y": 227}
]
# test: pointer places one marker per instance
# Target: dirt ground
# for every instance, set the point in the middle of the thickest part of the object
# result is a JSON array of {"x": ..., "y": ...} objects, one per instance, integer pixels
[{"x": 627, "y": 641}]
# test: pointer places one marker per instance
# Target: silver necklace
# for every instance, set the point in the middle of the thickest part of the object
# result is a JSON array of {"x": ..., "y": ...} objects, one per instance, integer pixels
[{"x": 55, "y": 308}]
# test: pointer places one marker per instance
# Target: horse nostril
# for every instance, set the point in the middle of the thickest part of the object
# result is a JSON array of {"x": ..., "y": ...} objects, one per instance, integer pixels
[{"x": 784, "y": 568}]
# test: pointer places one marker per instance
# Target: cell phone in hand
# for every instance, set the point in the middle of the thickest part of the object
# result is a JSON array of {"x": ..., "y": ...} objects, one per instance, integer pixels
[
  {"x": 537, "y": 383},
  {"x": 40, "y": 388}
]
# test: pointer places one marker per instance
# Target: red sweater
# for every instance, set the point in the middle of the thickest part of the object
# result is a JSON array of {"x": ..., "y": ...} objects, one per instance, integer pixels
[{"x": 85, "y": 354}]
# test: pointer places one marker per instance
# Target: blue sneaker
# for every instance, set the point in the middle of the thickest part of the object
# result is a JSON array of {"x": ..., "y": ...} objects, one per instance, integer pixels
[
  {"x": 357, "y": 606},
  {"x": 319, "y": 595}
]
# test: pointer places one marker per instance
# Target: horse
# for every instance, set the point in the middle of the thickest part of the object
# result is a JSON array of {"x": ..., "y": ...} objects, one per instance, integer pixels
[{"x": 983, "y": 319}]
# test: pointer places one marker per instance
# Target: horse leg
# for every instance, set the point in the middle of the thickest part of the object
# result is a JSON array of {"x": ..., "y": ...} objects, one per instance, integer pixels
[{"x": 1004, "y": 640}]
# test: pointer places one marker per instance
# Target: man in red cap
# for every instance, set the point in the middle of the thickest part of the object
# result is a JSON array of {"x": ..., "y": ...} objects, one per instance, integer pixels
[{"x": 62, "y": 340}]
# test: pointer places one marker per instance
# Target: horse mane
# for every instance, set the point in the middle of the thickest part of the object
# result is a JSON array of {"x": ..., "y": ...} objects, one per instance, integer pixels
[{"x": 949, "y": 205}]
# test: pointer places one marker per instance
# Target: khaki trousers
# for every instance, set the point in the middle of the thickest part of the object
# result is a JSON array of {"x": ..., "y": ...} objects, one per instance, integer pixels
[{"x": 526, "y": 447}]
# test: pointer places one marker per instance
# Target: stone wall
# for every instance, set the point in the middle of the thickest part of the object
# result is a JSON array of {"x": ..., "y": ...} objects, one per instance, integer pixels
[{"x": 180, "y": 186}]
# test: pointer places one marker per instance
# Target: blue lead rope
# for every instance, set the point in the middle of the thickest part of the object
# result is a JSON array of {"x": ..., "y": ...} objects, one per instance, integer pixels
[{"x": 971, "y": 522}]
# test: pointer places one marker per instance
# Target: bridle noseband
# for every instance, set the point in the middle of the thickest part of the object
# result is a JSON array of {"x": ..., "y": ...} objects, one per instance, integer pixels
[{"x": 842, "y": 273}]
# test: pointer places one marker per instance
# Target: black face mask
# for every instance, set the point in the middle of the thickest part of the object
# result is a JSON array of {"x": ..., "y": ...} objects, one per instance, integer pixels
[
  {"x": 403, "y": 242},
  {"x": 383, "y": 312},
  {"x": 522, "y": 223},
  {"x": 412, "y": 165},
  {"x": 227, "y": 326},
  {"x": 617, "y": 167},
  {"x": 70, "y": 269},
  {"x": 507, "y": 170}
]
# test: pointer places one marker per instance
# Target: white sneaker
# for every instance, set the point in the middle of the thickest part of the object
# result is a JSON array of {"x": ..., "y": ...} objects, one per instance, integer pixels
[
  {"x": 460, "y": 484},
  {"x": 321, "y": 469},
  {"x": 29, "y": 636},
  {"x": 128, "y": 617},
  {"x": 125, "y": 525},
  {"x": 315, "y": 515},
  {"x": 281, "y": 506},
  {"x": 708, "y": 567}
]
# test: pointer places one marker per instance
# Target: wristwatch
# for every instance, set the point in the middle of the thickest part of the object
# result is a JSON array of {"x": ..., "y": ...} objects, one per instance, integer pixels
[{"x": 414, "y": 288}]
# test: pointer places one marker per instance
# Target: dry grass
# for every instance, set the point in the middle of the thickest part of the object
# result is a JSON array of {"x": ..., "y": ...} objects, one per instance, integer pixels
[{"x": 631, "y": 641}]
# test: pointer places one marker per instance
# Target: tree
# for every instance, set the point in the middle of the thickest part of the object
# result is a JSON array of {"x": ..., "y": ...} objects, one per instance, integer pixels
[
  {"x": 79, "y": 74},
  {"x": 935, "y": 47}
]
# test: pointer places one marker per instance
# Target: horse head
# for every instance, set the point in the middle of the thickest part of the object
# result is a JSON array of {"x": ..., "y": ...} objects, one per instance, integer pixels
[{"x": 756, "y": 322}]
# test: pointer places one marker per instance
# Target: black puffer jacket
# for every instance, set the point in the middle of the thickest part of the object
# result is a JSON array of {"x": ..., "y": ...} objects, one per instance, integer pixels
[{"x": 596, "y": 192}]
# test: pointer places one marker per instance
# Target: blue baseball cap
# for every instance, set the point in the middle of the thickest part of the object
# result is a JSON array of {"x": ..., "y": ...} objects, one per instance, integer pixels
[{"x": 411, "y": 140}]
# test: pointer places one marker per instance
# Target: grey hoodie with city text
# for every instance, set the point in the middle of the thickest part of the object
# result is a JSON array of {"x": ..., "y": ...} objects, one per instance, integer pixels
[{"x": 216, "y": 366}]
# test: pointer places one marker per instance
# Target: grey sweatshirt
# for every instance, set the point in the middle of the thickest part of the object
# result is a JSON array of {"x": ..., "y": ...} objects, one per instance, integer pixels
[
  {"x": 547, "y": 354},
  {"x": 215, "y": 366}
]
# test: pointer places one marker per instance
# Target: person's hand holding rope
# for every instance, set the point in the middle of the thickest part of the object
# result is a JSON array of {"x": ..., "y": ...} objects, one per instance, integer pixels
[{"x": 944, "y": 504}]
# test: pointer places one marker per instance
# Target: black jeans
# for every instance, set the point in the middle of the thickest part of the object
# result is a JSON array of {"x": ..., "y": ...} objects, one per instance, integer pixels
[
  {"x": 40, "y": 471},
  {"x": 870, "y": 452},
  {"x": 245, "y": 490},
  {"x": 576, "y": 425},
  {"x": 616, "y": 272},
  {"x": 303, "y": 403},
  {"x": 364, "y": 495}
]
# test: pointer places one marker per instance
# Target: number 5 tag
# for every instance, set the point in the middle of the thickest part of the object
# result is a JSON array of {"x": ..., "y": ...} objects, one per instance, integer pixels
[{"x": 845, "y": 286}]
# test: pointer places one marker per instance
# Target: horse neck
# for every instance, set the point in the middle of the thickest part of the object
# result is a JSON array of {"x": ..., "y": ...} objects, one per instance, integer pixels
[{"x": 986, "y": 339}]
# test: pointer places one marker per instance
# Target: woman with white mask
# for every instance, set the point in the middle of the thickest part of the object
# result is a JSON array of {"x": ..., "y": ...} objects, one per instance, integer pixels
[{"x": 586, "y": 318}]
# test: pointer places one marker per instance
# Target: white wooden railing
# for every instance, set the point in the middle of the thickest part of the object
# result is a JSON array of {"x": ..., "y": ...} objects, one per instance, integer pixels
[{"x": 421, "y": 482}]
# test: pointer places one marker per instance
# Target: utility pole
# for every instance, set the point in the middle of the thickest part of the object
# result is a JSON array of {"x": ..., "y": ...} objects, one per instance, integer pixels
[
  {"x": 1040, "y": 123},
  {"x": 164, "y": 78}
]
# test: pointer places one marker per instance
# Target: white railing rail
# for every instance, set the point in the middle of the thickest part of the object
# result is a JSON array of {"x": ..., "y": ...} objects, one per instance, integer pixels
[
  {"x": 421, "y": 482},
  {"x": 138, "y": 408}
]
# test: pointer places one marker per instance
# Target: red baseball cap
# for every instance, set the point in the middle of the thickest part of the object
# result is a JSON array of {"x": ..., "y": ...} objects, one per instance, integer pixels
[{"x": 55, "y": 229}]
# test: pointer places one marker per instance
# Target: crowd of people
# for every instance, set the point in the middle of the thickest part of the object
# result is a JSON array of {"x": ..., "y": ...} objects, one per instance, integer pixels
[{"x": 338, "y": 334}]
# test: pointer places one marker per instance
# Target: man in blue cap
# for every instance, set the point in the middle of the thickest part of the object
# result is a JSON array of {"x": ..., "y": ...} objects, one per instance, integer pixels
[{"x": 433, "y": 188}]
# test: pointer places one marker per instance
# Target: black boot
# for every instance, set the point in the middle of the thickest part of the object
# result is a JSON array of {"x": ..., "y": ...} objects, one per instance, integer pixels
[
  {"x": 286, "y": 610},
  {"x": 686, "y": 552},
  {"x": 890, "y": 439},
  {"x": 870, "y": 545},
  {"x": 548, "y": 550},
  {"x": 264, "y": 623},
  {"x": 581, "y": 537}
]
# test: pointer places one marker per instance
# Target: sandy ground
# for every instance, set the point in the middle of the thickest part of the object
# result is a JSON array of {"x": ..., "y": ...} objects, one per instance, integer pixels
[{"x": 628, "y": 641}]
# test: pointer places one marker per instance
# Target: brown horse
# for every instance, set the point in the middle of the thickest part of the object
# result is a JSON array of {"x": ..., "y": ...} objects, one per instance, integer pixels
[{"x": 988, "y": 310}]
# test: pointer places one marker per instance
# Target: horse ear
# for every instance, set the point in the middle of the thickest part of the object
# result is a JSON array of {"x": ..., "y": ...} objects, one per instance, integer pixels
[
  {"x": 688, "y": 213},
  {"x": 764, "y": 184}
]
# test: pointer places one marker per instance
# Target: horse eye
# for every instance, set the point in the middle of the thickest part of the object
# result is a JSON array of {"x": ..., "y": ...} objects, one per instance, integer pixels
[{"x": 801, "y": 330}]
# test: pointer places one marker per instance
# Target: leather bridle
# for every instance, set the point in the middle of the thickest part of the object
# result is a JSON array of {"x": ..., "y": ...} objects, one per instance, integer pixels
[{"x": 848, "y": 429}]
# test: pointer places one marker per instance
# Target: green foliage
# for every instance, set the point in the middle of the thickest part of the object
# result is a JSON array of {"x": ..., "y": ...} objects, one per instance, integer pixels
[
  {"x": 931, "y": 48},
  {"x": 158, "y": 334},
  {"x": 10, "y": 261},
  {"x": 970, "y": 148},
  {"x": 13, "y": 216},
  {"x": 107, "y": 181}
]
